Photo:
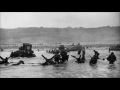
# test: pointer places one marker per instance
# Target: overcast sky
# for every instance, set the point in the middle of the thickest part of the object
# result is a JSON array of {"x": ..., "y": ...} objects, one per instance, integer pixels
[{"x": 59, "y": 19}]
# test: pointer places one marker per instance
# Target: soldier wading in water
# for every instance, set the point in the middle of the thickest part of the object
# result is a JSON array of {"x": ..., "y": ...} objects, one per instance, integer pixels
[
  {"x": 81, "y": 58},
  {"x": 94, "y": 59},
  {"x": 111, "y": 58},
  {"x": 56, "y": 59}
]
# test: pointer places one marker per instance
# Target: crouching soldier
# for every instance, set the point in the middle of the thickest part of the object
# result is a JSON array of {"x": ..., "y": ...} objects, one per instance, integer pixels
[
  {"x": 78, "y": 59},
  {"x": 111, "y": 58},
  {"x": 94, "y": 59}
]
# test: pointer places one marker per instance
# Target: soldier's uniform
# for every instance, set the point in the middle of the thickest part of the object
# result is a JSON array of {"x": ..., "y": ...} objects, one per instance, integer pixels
[
  {"x": 111, "y": 58},
  {"x": 64, "y": 56},
  {"x": 94, "y": 59}
]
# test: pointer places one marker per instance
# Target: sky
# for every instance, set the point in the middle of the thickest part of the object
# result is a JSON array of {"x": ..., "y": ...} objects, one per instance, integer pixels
[{"x": 59, "y": 19}]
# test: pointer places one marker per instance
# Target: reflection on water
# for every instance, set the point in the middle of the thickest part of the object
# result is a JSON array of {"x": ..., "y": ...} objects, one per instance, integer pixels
[{"x": 32, "y": 68}]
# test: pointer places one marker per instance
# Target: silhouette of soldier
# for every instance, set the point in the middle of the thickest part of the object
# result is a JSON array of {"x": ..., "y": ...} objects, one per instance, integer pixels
[
  {"x": 83, "y": 54},
  {"x": 64, "y": 56},
  {"x": 109, "y": 49},
  {"x": 95, "y": 58},
  {"x": 57, "y": 57},
  {"x": 80, "y": 48},
  {"x": 111, "y": 58},
  {"x": 96, "y": 52},
  {"x": 78, "y": 59},
  {"x": 79, "y": 51}
]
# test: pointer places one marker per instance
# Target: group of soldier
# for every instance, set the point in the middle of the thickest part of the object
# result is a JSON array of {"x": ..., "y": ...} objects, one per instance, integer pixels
[
  {"x": 53, "y": 51},
  {"x": 61, "y": 57},
  {"x": 111, "y": 58},
  {"x": 81, "y": 58},
  {"x": 58, "y": 58}
]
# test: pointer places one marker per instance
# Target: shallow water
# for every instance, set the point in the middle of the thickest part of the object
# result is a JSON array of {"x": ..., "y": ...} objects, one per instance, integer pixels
[{"x": 32, "y": 68}]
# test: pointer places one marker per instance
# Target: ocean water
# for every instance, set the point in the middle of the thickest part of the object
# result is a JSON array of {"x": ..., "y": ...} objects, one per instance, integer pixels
[{"x": 33, "y": 69}]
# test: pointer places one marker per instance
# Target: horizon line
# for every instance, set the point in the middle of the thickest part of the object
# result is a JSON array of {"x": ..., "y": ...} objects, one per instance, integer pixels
[{"x": 60, "y": 27}]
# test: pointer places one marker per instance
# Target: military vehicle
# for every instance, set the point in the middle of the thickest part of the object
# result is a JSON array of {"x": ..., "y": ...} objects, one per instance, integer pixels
[
  {"x": 24, "y": 51},
  {"x": 74, "y": 47},
  {"x": 67, "y": 48},
  {"x": 114, "y": 48}
]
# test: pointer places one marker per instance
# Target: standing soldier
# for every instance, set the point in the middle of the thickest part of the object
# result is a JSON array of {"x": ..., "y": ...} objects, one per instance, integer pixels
[
  {"x": 96, "y": 52},
  {"x": 83, "y": 54},
  {"x": 64, "y": 56},
  {"x": 57, "y": 57},
  {"x": 111, "y": 58},
  {"x": 79, "y": 51},
  {"x": 80, "y": 48},
  {"x": 109, "y": 49}
]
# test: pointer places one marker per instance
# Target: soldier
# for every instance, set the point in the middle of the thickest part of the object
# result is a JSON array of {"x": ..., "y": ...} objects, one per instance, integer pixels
[
  {"x": 78, "y": 59},
  {"x": 109, "y": 49},
  {"x": 94, "y": 59},
  {"x": 111, "y": 58},
  {"x": 64, "y": 56},
  {"x": 96, "y": 52},
  {"x": 57, "y": 57},
  {"x": 83, "y": 54},
  {"x": 79, "y": 51}
]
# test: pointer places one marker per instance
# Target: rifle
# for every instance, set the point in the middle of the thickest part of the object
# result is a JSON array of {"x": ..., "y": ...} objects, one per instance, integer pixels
[
  {"x": 78, "y": 59},
  {"x": 90, "y": 56},
  {"x": 74, "y": 56}
]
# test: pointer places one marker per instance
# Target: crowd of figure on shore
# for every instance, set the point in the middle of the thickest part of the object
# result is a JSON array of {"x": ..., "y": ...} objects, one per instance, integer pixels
[{"x": 62, "y": 57}]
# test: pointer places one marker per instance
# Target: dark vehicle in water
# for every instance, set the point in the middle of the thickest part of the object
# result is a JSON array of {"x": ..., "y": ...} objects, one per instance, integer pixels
[
  {"x": 24, "y": 51},
  {"x": 74, "y": 47},
  {"x": 67, "y": 48},
  {"x": 114, "y": 48}
]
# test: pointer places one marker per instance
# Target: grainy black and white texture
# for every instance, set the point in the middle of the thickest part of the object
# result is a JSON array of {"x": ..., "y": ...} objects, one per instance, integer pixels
[{"x": 48, "y": 30}]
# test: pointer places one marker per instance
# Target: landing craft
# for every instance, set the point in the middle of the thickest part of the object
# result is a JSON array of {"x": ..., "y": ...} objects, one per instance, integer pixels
[
  {"x": 67, "y": 48},
  {"x": 24, "y": 51},
  {"x": 74, "y": 47},
  {"x": 114, "y": 48}
]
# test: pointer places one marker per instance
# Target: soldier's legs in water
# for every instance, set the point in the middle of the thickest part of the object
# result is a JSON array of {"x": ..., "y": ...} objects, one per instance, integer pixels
[
  {"x": 111, "y": 62},
  {"x": 63, "y": 60}
]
